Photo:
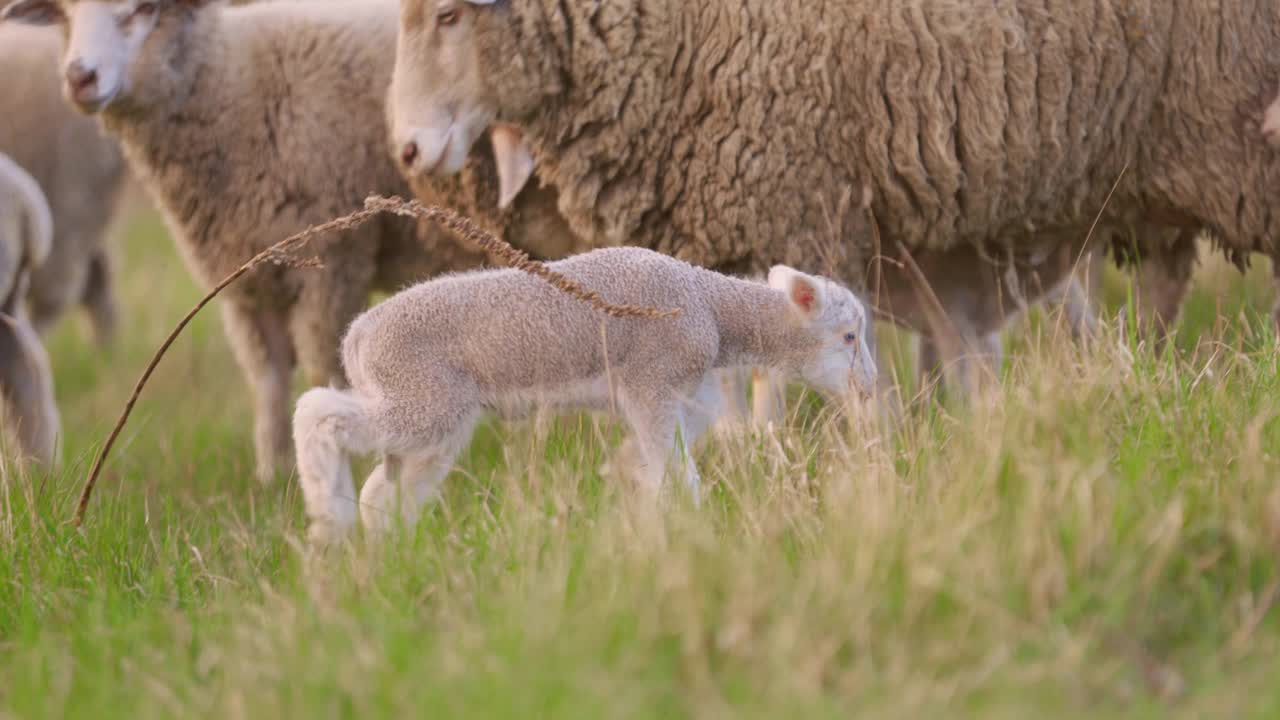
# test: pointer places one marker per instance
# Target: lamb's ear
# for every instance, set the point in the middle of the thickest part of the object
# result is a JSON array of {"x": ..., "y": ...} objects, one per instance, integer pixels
[
  {"x": 804, "y": 292},
  {"x": 32, "y": 12},
  {"x": 514, "y": 161}
]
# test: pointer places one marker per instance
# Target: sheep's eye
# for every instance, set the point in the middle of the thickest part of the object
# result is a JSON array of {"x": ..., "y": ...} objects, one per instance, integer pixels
[
  {"x": 447, "y": 17},
  {"x": 850, "y": 338},
  {"x": 145, "y": 9}
]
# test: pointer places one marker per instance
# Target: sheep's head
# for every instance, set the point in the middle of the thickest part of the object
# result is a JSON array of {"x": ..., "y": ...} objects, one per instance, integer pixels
[
  {"x": 118, "y": 52},
  {"x": 839, "y": 361},
  {"x": 457, "y": 73}
]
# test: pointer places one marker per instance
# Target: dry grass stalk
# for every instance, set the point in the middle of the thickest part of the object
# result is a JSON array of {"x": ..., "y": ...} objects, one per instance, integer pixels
[
  {"x": 469, "y": 231},
  {"x": 282, "y": 253}
]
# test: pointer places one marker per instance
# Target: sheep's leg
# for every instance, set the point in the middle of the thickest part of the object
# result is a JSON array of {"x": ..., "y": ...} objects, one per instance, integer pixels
[
  {"x": 977, "y": 363},
  {"x": 56, "y": 286},
  {"x": 99, "y": 298},
  {"x": 408, "y": 482},
  {"x": 329, "y": 424},
  {"x": 928, "y": 361},
  {"x": 260, "y": 343},
  {"x": 734, "y": 392},
  {"x": 768, "y": 397},
  {"x": 982, "y": 364},
  {"x": 26, "y": 391},
  {"x": 699, "y": 412},
  {"x": 323, "y": 311},
  {"x": 1078, "y": 310},
  {"x": 1162, "y": 283},
  {"x": 1076, "y": 293},
  {"x": 702, "y": 409},
  {"x": 655, "y": 421}
]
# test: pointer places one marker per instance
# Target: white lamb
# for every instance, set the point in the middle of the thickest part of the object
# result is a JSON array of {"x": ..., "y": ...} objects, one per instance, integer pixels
[{"x": 425, "y": 364}]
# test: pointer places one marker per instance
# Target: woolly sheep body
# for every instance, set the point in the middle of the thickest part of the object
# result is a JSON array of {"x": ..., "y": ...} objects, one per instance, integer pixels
[
  {"x": 80, "y": 170},
  {"x": 426, "y": 363},
  {"x": 741, "y": 131},
  {"x": 29, "y": 419}
]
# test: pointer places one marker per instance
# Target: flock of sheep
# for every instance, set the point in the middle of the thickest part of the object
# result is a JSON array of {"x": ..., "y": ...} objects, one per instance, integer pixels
[{"x": 953, "y": 161}]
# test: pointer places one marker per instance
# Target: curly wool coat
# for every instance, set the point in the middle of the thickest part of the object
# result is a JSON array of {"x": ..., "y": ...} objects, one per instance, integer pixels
[{"x": 747, "y": 130}]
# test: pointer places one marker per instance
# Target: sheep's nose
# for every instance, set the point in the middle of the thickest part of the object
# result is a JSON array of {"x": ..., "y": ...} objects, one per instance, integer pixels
[
  {"x": 80, "y": 78},
  {"x": 409, "y": 153}
]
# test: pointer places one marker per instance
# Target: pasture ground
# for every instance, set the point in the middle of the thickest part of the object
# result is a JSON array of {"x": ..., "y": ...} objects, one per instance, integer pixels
[{"x": 1099, "y": 538}]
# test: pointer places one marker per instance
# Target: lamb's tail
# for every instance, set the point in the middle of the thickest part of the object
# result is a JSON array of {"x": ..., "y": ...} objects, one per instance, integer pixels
[{"x": 327, "y": 425}]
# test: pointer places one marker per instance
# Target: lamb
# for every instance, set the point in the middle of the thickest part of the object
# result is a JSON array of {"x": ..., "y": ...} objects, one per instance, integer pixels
[
  {"x": 247, "y": 124},
  {"x": 29, "y": 419},
  {"x": 426, "y": 363},
  {"x": 81, "y": 172},
  {"x": 738, "y": 131}
]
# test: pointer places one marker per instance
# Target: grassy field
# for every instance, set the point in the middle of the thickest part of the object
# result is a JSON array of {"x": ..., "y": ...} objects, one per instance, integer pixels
[{"x": 1098, "y": 538}]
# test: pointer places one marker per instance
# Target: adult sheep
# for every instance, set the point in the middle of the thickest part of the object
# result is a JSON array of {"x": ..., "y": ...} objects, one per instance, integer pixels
[
  {"x": 739, "y": 129},
  {"x": 79, "y": 169},
  {"x": 248, "y": 124}
]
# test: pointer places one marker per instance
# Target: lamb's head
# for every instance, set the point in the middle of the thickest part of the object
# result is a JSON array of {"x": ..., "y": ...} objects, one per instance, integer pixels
[
  {"x": 837, "y": 357},
  {"x": 458, "y": 74},
  {"x": 1271, "y": 123},
  {"x": 119, "y": 53}
]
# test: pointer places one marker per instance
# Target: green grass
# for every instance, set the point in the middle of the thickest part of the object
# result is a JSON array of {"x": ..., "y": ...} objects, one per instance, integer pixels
[{"x": 1097, "y": 538}]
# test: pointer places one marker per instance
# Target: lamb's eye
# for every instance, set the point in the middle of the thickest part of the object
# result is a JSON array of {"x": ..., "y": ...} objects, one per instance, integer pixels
[
  {"x": 145, "y": 9},
  {"x": 445, "y": 18},
  {"x": 850, "y": 338}
]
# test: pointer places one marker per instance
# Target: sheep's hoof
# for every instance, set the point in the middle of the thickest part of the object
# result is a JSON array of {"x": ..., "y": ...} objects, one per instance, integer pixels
[{"x": 325, "y": 534}]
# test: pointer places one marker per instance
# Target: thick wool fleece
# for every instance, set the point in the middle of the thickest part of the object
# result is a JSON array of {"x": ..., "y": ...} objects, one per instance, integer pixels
[{"x": 749, "y": 129}]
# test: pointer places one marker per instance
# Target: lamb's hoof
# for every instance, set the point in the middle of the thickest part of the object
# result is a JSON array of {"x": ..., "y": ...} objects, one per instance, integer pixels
[{"x": 324, "y": 535}]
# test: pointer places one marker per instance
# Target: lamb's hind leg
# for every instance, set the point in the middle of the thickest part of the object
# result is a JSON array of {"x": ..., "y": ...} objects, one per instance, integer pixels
[
  {"x": 260, "y": 342},
  {"x": 327, "y": 425},
  {"x": 408, "y": 482}
]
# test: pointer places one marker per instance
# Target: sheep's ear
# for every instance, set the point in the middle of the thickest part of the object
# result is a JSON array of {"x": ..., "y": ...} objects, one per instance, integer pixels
[
  {"x": 515, "y": 162},
  {"x": 804, "y": 292},
  {"x": 32, "y": 12}
]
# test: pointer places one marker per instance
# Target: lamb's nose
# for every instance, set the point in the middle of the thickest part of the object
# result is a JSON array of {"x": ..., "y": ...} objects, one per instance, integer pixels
[
  {"x": 409, "y": 153},
  {"x": 80, "y": 78}
]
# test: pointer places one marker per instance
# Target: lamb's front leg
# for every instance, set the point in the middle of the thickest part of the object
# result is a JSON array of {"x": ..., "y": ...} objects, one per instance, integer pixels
[{"x": 698, "y": 415}]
